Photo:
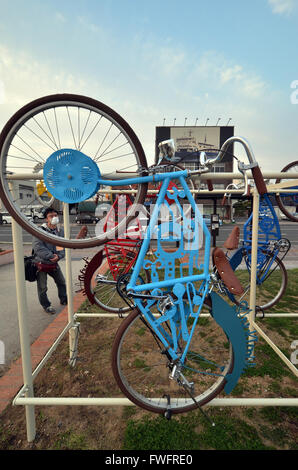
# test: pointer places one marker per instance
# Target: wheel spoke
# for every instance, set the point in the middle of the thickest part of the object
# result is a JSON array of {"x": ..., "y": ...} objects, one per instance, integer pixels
[
  {"x": 143, "y": 372},
  {"x": 40, "y": 138},
  {"x": 81, "y": 148},
  {"x": 66, "y": 122}
]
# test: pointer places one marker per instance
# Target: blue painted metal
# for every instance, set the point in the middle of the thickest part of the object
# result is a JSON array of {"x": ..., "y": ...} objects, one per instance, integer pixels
[
  {"x": 269, "y": 228},
  {"x": 236, "y": 258},
  {"x": 70, "y": 176},
  {"x": 185, "y": 300},
  {"x": 269, "y": 231},
  {"x": 170, "y": 281},
  {"x": 233, "y": 321}
]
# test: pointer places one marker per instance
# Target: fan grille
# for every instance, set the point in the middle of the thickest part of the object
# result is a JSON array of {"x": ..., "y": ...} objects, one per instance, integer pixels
[{"x": 71, "y": 176}]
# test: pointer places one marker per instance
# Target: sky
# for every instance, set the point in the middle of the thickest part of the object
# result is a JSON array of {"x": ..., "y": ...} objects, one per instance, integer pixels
[{"x": 162, "y": 60}]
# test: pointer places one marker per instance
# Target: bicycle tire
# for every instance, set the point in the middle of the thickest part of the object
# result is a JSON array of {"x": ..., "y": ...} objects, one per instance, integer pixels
[
  {"x": 280, "y": 199},
  {"x": 244, "y": 278},
  {"x": 136, "y": 363},
  {"x": 52, "y": 102},
  {"x": 98, "y": 296}
]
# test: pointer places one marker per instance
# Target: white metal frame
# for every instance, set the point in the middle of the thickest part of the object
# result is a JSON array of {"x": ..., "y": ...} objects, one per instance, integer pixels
[{"x": 26, "y": 397}]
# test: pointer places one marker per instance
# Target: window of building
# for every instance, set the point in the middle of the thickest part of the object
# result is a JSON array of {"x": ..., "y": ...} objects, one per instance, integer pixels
[
  {"x": 190, "y": 165},
  {"x": 218, "y": 168}
]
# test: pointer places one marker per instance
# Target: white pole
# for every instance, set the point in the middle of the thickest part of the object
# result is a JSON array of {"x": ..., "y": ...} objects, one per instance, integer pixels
[
  {"x": 22, "y": 306},
  {"x": 69, "y": 288},
  {"x": 254, "y": 254},
  {"x": 52, "y": 401},
  {"x": 291, "y": 366}
]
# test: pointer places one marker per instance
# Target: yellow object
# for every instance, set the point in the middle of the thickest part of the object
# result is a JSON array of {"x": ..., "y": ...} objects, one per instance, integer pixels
[{"x": 41, "y": 189}]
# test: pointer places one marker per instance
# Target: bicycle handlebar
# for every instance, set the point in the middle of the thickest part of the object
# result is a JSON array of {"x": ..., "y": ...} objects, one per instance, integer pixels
[{"x": 253, "y": 164}]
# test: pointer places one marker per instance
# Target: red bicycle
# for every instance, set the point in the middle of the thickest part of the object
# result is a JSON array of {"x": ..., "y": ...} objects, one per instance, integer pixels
[{"x": 100, "y": 276}]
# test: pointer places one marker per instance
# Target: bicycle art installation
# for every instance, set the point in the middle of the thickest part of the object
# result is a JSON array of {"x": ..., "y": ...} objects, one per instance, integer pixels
[{"x": 78, "y": 147}]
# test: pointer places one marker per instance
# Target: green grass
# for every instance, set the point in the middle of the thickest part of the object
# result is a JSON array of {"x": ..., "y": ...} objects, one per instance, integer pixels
[
  {"x": 192, "y": 432},
  {"x": 288, "y": 302},
  {"x": 258, "y": 429},
  {"x": 71, "y": 440},
  {"x": 267, "y": 363}
]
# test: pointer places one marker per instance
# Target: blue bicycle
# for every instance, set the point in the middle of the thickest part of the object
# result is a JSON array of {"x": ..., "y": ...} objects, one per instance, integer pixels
[
  {"x": 271, "y": 280},
  {"x": 166, "y": 357}
]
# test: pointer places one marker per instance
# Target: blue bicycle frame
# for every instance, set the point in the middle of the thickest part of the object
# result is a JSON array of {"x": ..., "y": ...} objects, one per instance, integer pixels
[
  {"x": 187, "y": 234},
  {"x": 269, "y": 231}
]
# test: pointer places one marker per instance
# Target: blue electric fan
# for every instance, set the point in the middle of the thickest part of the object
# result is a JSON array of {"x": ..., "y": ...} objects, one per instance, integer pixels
[{"x": 70, "y": 176}]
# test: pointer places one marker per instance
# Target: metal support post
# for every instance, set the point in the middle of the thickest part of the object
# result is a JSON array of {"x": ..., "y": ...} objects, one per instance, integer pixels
[
  {"x": 254, "y": 257},
  {"x": 69, "y": 288},
  {"x": 22, "y": 305}
]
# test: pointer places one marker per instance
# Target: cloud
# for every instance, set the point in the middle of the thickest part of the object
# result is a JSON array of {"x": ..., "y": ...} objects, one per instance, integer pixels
[
  {"x": 282, "y": 6},
  {"x": 2, "y": 92},
  {"x": 60, "y": 17},
  {"x": 88, "y": 25},
  {"x": 162, "y": 82},
  {"x": 25, "y": 78},
  {"x": 217, "y": 73}
]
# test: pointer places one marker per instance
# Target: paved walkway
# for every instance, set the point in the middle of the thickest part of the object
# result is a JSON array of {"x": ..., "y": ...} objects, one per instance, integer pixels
[
  {"x": 12, "y": 381},
  {"x": 44, "y": 328}
]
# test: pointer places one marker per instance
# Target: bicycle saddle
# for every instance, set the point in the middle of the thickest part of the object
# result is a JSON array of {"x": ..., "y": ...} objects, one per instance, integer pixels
[
  {"x": 226, "y": 272},
  {"x": 232, "y": 241}
]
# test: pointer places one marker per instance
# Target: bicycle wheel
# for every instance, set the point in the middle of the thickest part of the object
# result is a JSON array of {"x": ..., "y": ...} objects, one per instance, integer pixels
[
  {"x": 141, "y": 367},
  {"x": 271, "y": 283},
  {"x": 101, "y": 287},
  {"x": 288, "y": 202},
  {"x": 54, "y": 123}
]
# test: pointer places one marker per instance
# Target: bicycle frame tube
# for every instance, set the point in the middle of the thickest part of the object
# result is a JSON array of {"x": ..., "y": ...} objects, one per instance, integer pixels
[
  {"x": 202, "y": 223},
  {"x": 145, "y": 245},
  {"x": 144, "y": 179},
  {"x": 146, "y": 241},
  {"x": 268, "y": 231},
  {"x": 267, "y": 234}
]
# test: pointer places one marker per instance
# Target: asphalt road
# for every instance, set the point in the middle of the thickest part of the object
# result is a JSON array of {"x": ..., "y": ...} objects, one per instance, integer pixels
[
  {"x": 289, "y": 230},
  {"x": 6, "y": 232}
]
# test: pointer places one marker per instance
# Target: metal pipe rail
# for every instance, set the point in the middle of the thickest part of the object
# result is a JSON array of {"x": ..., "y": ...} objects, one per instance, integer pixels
[
  {"x": 203, "y": 176},
  {"x": 72, "y": 401},
  {"x": 115, "y": 315}
]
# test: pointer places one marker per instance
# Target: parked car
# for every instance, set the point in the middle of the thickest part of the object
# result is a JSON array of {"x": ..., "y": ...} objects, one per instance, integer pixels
[
  {"x": 5, "y": 218},
  {"x": 30, "y": 218},
  {"x": 86, "y": 219}
]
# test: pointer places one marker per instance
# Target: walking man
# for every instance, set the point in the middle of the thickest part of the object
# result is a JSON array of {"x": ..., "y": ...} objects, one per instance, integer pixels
[{"x": 46, "y": 257}]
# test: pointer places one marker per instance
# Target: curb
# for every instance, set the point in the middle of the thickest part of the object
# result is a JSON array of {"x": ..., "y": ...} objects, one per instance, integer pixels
[
  {"x": 6, "y": 257},
  {"x": 4, "y": 252},
  {"x": 12, "y": 380}
]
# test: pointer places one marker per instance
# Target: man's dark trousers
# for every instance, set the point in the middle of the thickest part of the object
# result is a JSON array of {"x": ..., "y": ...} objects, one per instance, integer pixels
[{"x": 42, "y": 287}]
